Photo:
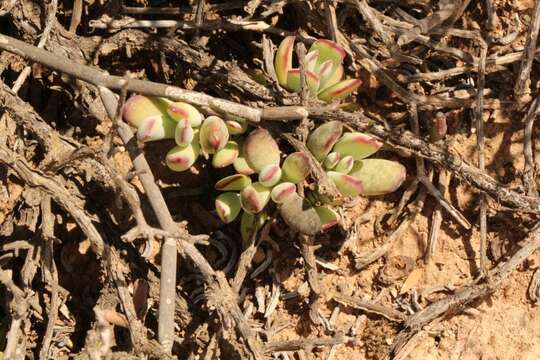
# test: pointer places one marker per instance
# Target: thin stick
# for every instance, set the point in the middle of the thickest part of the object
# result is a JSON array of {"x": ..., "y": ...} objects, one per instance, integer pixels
[
  {"x": 331, "y": 20},
  {"x": 421, "y": 174},
  {"x": 492, "y": 64},
  {"x": 47, "y": 228},
  {"x": 529, "y": 170},
  {"x": 521, "y": 86},
  {"x": 100, "y": 78},
  {"x": 51, "y": 14},
  {"x": 479, "y": 110},
  {"x": 369, "y": 307},
  {"x": 199, "y": 16},
  {"x": 76, "y": 16},
  {"x": 444, "y": 180},
  {"x": 167, "y": 290}
]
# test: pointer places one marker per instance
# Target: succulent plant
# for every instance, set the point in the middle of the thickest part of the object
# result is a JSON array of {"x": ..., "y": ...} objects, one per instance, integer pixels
[
  {"x": 323, "y": 70},
  {"x": 327, "y": 216},
  {"x": 226, "y": 156},
  {"x": 254, "y": 198},
  {"x": 260, "y": 174},
  {"x": 213, "y": 135},
  {"x": 260, "y": 150},
  {"x": 183, "y": 111},
  {"x": 296, "y": 167},
  {"x": 235, "y": 182},
  {"x": 228, "y": 206},
  {"x": 270, "y": 175},
  {"x": 321, "y": 141},
  {"x": 182, "y": 158}
]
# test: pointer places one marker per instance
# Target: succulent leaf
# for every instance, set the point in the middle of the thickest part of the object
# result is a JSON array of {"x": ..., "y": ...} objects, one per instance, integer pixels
[
  {"x": 294, "y": 84},
  {"x": 156, "y": 127},
  {"x": 331, "y": 77},
  {"x": 299, "y": 215},
  {"x": 281, "y": 192},
  {"x": 283, "y": 59},
  {"x": 247, "y": 223},
  {"x": 340, "y": 90},
  {"x": 213, "y": 135},
  {"x": 296, "y": 167},
  {"x": 138, "y": 108},
  {"x": 241, "y": 166},
  {"x": 234, "y": 182},
  {"x": 184, "y": 111},
  {"x": 331, "y": 160},
  {"x": 345, "y": 165},
  {"x": 328, "y": 50},
  {"x": 236, "y": 125},
  {"x": 182, "y": 158},
  {"x": 357, "y": 144},
  {"x": 310, "y": 61},
  {"x": 260, "y": 150},
  {"x": 228, "y": 206},
  {"x": 323, "y": 138},
  {"x": 226, "y": 156},
  {"x": 378, "y": 176},
  {"x": 327, "y": 216},
  {"x": 346, "y": 184},
  {"x": 254, "y": 198},
  {"x": 183, "y": 133},
  {"x": 270, "y": 175}
]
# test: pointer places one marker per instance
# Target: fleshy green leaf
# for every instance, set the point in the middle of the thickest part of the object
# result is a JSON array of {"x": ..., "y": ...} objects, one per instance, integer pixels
[
  {"x": 340, "y": 90},
  {"x": 234, "y": 182},
  {"x": 270, "y": 175},
  {"x": 299, "y": 215},
  {"x": 323, "y": 138},
  {"x": 310, "y": 61},
  {"x": 138, "y": 108},
  {"x": 156, "y": 127},
  {"x": 228, "y": 206},
  {"x": 346, "y": 184},
  {"x": 294, "y": 84},
  {"x": 184, "y": 111},
  {"x": 254, "y": 198},
  {"x": 236, "y": 125},
  {"x": 331, "y": 160},
  {"x": 260, "y": 150},
  {"x": 283, "y": 59},
  {"x": 213, "y": 135},
  {"x": 225, "y": 156},
  {"x": 330, "y": 76},
  {"x": 378, "y": 176},
  {"x": 182, "y": 158},
  {"x": 281, "y": 192},
  {"x": 327, "y": 216},
  {"x": 183, "y": 133},
  {"x": 296, "y": 167},
  {"x": 248, "y": 222},
  {"x": 328, "y": 50},
  {"x": 241, "y": 166},
  {"x": 345, "y": 165},
  {"x": 358, "y": 145}
]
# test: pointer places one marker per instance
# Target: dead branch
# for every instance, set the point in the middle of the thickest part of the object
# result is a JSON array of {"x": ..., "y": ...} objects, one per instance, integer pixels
[{"x": 521, "y": 87}]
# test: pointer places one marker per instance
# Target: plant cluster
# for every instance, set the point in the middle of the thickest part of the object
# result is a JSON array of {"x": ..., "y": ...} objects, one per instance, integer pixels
[
  {"x": 322, "y": 67},
  {"x": 262, "y": 174}
]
